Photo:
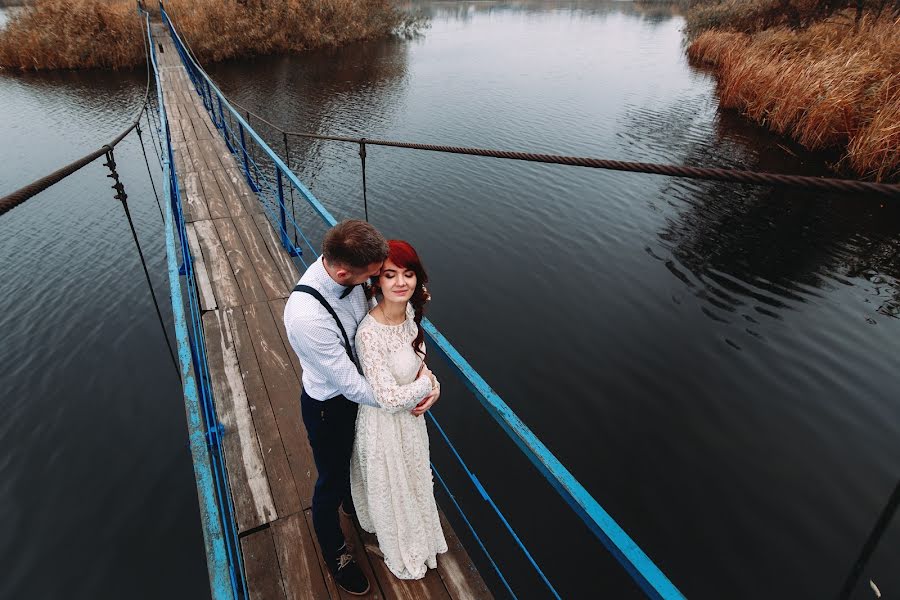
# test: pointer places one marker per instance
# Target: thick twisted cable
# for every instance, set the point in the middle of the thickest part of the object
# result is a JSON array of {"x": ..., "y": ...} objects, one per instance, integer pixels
[
  {"x": 823, "y": 184},
  {"x": 10, "y": 201}
]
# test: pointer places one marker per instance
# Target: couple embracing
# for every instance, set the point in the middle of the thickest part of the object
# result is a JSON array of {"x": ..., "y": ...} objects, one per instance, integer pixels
[{"x": 365, "y": 390}]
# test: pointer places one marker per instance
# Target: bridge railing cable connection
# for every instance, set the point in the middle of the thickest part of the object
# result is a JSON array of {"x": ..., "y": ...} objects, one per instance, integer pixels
[{"x": 268, "y": 175}]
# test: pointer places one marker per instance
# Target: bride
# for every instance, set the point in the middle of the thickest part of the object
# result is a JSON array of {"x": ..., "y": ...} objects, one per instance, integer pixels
[{"x": 390, "y": 472}]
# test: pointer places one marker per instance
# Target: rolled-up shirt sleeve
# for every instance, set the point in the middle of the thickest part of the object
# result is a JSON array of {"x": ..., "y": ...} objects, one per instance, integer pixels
[{"x": 316, "y": 343}]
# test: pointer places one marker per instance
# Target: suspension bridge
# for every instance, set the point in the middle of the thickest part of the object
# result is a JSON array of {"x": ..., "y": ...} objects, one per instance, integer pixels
[
  {"x": 234, "y": 252},
  {"x": 244, "y": 275}
]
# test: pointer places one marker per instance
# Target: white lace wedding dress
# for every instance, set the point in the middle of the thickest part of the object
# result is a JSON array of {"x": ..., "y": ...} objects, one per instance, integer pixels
[{"x": 390, "y": 472}]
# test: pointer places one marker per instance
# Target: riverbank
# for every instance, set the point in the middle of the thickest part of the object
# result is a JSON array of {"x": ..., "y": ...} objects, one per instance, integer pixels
[
  {"x": 85, "y": 34},
  {"x": 830, "y": 81}
]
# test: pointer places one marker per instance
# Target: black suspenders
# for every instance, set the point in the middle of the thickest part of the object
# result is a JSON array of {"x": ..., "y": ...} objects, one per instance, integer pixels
[{"x": 315, "y": 294}]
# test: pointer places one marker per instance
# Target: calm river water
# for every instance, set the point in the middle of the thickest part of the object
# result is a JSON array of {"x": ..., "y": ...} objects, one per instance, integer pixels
[{"x": 715, "y": 363}]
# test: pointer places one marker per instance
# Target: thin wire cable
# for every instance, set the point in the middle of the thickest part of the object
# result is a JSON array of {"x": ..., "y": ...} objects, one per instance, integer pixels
[
  {"x": 123, "y": 198},
  {"x": 149, "y": 174},
  {"x": 474, "y": 533},
  {"x": 487, "y": 498},
  {"x": 153, "y": 138}
]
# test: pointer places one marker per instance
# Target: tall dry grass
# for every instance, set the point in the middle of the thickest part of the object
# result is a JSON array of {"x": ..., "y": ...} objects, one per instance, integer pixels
[
  {"x": 76, "y": 34},
  {"x": 833, "y": 85},
  {"x": 750, "y": 16},
  {"x": 221, "y": 29},
  {"x": 72, "y": 34}
]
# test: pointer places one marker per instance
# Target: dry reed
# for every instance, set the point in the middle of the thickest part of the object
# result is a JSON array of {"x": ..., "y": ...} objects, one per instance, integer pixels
[
  {"x": 831, "y": 86},
  {"x": 71, "y": 34},
  {"x": 233, "y": 28}
]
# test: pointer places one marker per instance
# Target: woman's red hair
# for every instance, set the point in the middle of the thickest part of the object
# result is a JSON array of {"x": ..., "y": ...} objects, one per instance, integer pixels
[{"x": 405, "y": 256}]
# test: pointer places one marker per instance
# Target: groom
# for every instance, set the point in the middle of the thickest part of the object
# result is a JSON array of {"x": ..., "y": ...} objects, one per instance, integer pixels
[{"x": 321, "y": 318}]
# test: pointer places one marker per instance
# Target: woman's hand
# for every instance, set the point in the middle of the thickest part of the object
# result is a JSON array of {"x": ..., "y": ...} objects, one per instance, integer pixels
[
  {"x": 432, "y": 397},
  {"x": 426, "y": 403}
]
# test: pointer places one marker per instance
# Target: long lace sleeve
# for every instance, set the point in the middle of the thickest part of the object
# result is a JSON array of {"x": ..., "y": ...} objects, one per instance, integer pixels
[
  {"x": 435, "y": 384},
  {"x": 391, "y": 396}
]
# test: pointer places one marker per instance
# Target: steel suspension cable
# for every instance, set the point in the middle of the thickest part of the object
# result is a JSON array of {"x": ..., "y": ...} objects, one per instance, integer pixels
[{"x": 823, "y": 184}]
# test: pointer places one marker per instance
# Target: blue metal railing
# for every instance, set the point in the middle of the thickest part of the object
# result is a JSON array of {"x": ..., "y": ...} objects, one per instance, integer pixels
[
  {"x": 639, "y": 566},
  {"x": 224, "y": 562}
]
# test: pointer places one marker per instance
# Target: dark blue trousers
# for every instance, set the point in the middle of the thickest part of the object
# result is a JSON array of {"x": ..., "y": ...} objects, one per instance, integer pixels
[{"x": 331, "y": 427}]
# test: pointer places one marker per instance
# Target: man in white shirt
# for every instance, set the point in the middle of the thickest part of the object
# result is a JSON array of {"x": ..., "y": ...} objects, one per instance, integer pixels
[{"x": 321, "y": 318}]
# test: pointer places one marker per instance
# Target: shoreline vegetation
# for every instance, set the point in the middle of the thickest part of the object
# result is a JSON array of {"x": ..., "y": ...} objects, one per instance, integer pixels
[
  {"x": 825, "y": 73},
  {"x": 87, "y": 34}
]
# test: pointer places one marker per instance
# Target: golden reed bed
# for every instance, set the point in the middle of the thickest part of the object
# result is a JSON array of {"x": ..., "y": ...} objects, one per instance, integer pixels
[
  {"x": 81, "y": 34},
  {"x": 834, "y": 85}
]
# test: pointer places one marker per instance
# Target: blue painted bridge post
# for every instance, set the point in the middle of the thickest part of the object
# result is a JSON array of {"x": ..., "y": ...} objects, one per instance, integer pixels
[
  {"x": 285, "y": 240},
  {"x": 225, "y": 132},
  {"x": 246, "y": 162},
  {"x": 292, "y": 249}
]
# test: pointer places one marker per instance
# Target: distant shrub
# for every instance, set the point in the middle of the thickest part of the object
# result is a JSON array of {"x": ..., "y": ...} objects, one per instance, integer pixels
[
  {"x": 72, "y": 34},
  {"x": 77, "y": 34},
  {"x": 750, "y": 16},
  {"x": 831, "y": 85}
]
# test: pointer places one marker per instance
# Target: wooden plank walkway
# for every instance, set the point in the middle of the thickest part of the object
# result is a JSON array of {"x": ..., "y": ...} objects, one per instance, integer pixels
[{"x": 244, "y": 277}]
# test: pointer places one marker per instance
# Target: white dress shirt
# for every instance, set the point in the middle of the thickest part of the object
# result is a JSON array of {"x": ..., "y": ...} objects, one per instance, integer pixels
[{"x": 315, "y": 337}]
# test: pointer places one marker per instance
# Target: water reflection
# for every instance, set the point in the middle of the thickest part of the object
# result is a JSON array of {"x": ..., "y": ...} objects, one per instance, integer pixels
[{"x": 751, "y": 251}]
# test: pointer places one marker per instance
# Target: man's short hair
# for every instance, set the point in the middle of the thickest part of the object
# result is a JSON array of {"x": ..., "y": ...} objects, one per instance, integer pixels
[{"x": 354, "y": 243}]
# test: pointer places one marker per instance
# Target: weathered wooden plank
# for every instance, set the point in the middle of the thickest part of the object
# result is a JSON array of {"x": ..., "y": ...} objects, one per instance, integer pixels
[
  {"x": 206, "y": 122},
  {"x": 273, "y": 356},
  {"x": 226, "y": 158},
  {"x": 264, "y": 581},
  {"x": 210, "y": 151},
  {"x": 283, "y": 388},
  {"x": 187, "y": 126},
  {"x": 258, "y": 252},
  {"x": 286, "y": 405},
  {"x": 201, "y": 275},
  {"x": 253, "y": 504},
  {"x": 194, "y": 203},
  {"x": 458, "y": 572},
  {"x": 300, "y": 568},
  {"x": 214, "y": 200},
  {"x": 196, "y": 156},
  {"x": 277, "y": 308},
  {"x": 232, "y": 199},
  {"x": 224, "y": 285},
  {"x": 175, "y": 133},
  {"x": 429, "y": 587},
  {"x": 243, "y": 269},
  {"x": 239, "y": 182},
  {"x": 183, "y": 162},
  {"x": 285, "y": 265},
  {"x": 278, "y": 469}
]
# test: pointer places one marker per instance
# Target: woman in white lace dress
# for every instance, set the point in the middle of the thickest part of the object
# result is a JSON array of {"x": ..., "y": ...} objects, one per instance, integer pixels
[{"x": 390, "y": 472}]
